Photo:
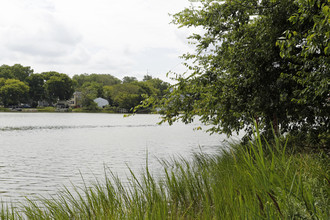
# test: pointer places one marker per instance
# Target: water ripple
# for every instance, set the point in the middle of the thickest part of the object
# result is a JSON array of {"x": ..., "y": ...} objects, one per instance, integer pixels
[
  {"x": 61, "y": 127},
  {"x": 40, "y": 153}
]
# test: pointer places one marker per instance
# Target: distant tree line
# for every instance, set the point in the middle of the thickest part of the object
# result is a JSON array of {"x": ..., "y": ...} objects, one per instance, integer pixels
[
  {"x": 19, "y": 84},
  {"x": 125, "y": 94}
]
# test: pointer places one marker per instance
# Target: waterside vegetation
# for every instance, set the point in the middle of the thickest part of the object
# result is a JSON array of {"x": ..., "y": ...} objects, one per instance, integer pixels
[
  {"x": 259, "y": 180},
  {"x": 261, "y": 64},
  {"x": 267, "y": 61}
]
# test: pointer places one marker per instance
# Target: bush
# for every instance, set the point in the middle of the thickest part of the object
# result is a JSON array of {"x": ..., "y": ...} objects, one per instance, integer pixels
[
  {"x": 3, "y": 109},
  {"x": 46, "y": 109}
]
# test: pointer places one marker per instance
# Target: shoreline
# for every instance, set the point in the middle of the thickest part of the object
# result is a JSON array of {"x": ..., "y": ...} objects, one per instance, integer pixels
[{"x": 76, "y": 110}]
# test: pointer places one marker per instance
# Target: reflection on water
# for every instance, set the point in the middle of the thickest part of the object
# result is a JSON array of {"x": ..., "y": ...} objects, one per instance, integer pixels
[{"x": 41, "y": 152}]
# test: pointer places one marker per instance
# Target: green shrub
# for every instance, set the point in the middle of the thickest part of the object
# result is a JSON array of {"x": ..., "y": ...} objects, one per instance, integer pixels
[
  {"x": 46, "y": 109},
  {"x": 3, "y": 109}
]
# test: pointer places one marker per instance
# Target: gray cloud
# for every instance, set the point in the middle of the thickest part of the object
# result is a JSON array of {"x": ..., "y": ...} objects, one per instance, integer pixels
[
  {"x": 81, "y": 36},
  {"x": 49, "y": 38},
  {"x": 156, "y": 62},
  {"x": 47, "y": 5}
]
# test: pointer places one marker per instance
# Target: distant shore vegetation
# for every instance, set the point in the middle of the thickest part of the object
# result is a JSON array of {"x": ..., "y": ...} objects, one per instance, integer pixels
[{"x": 20, "y": 87}]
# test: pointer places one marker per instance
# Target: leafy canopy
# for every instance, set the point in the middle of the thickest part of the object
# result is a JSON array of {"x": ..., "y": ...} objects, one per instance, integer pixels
[
  {"x": 104, "y": 79},
  {"x": 58, "y": 86},
  {"x": 12, "y": 91},
  {"x": 17, "y": 71},
  {"x": 239, "y": 72},
  {"x": 307, "y": 46}
]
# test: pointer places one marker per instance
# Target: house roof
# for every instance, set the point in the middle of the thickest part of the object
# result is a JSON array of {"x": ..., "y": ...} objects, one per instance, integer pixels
[{"x": 101, "y": 102}]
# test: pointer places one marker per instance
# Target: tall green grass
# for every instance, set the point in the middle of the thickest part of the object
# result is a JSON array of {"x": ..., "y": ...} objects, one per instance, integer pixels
[{"x": 255, "y": 181}]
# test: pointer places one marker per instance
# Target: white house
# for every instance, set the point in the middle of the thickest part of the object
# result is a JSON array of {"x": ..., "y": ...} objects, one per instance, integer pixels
[{"x": 101, "y": 102}]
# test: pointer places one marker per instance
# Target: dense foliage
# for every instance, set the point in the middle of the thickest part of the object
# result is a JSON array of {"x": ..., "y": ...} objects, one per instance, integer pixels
[
  {"x": 13, "y": 84},
  {"x": 122, "y": 94},
  {"x": 20, "y": 85},
  {"x": 103, "y": 79},
  {"x": 58, "y": 86},
  {"x": 16, "y": 71},
  {"x": 306, "y": 46},
  {"x": 12, "y": 90},
  {"x": 254, "y": 60}
]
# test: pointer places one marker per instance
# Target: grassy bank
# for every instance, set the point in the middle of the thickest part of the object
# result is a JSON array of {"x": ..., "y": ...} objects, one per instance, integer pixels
[{"x": 254, "y": 181}]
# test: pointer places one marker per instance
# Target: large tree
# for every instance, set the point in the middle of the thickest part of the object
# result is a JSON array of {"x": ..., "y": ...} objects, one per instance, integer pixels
[
  {"x": 37, "y": 91},
  {"x": 12, "y": 91},
  {"x": 58, "y": 86},
  {"x": 128, "y": 95},
  {"x": 307, "y": 46},
  {"x": 238, "y": 74},
  {"x": 160, "y": 86},
  {"x": 91, "y": 91},
  {"x": 16, "y": 71},
  {"x": 104, "y": 79},
  {"x": 129, "y": 79}
]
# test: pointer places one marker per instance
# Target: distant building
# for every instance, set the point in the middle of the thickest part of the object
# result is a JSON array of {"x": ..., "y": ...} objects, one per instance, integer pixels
[
  {"x": 62, "y": 106},
  {"x": 123, "y": 110},
  {"x": 75, "y": 102},
  {"x": 43, "y": 103},
  {"x": 101, "y": 103}
]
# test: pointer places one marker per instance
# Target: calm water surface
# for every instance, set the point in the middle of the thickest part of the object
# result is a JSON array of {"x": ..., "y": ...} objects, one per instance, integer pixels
[{"x": 41, "y": 152}]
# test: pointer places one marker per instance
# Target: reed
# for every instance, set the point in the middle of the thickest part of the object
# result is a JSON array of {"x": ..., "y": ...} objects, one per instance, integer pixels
[{"x": 259, "y": 180}]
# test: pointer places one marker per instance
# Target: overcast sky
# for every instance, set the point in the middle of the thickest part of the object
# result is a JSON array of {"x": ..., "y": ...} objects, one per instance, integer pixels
[{"x": 121, "y": 38}]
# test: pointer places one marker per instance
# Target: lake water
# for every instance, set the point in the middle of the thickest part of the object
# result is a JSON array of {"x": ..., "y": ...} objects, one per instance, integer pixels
[{"x": 41, "y": 152}]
